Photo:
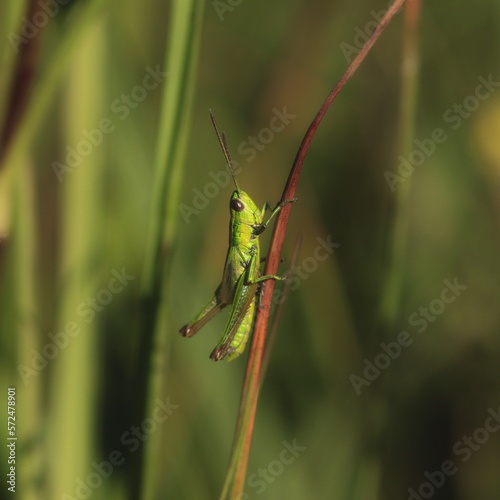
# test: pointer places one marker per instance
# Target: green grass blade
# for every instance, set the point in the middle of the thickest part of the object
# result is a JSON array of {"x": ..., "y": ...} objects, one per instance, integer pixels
[
  {"x": 181, "y": 61},
  {"x": 392, "y": 291},
  {"x": 73, "y": 392},
  {"x": 48, "y": 83}
]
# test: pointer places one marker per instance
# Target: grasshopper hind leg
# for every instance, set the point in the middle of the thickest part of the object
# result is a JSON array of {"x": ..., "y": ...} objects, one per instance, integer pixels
[{"x": 214, "y": 306}]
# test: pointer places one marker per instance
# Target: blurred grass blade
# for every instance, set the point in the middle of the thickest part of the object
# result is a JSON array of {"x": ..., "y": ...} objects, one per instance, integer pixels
[
  {"x": 72, "y": 392},
  {"x": 181, "y": 61},
  {"x": 46, "y": 87},
  {"x": 18, "y": 225},
  {"x": 398, "y": 232},
  {"x": 21, "y": 293}
]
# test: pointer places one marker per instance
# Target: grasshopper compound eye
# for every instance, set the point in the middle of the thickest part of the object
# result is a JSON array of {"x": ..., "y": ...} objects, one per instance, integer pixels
[{"x": 237, "y": 205}]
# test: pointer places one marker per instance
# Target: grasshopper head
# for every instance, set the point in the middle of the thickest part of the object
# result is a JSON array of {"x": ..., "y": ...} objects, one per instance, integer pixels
[{"x": 242, "y": 207}]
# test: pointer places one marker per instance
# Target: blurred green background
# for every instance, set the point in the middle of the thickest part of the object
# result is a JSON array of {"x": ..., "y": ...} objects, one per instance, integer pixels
[{"x": 363, "y": 425}]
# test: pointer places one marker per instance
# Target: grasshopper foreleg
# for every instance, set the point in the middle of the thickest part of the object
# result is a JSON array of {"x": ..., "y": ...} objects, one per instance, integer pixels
[{"x": 260, "y": 228}]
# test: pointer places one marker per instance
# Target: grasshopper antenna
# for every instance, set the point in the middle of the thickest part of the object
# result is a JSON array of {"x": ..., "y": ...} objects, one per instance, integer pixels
[{"x": 225, "y": 149}]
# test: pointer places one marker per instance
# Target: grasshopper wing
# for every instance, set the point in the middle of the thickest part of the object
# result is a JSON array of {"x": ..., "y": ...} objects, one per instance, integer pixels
[{"x": 234, "y": 338}]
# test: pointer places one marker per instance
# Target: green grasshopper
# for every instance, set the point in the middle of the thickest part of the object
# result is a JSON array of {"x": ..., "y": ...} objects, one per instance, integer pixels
[{"x": 241, "y": 277}]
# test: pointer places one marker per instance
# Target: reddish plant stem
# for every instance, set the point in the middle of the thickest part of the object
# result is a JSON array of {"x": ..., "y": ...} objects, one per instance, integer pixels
[
  {"x": 21, "y": 84},
  {"x": 250, "y": 392}
]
